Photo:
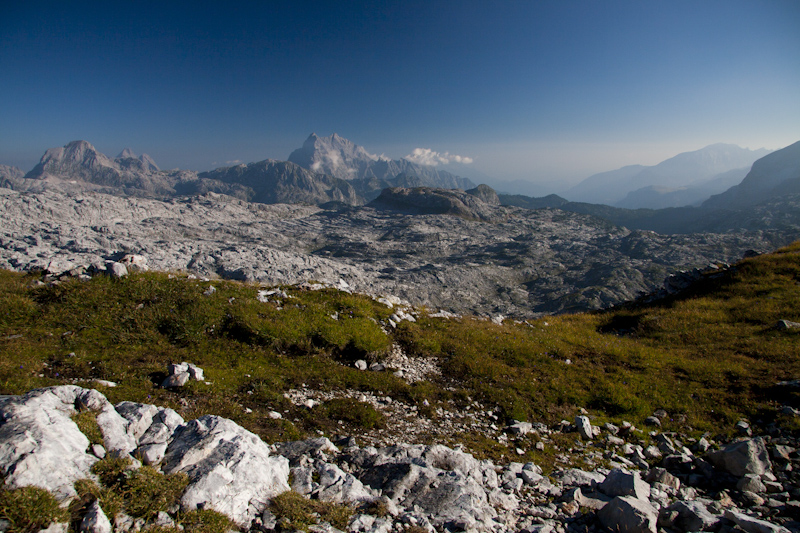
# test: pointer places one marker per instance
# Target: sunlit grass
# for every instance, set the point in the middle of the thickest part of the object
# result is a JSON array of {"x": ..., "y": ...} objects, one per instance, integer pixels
[{"x": 709, "y": 357}]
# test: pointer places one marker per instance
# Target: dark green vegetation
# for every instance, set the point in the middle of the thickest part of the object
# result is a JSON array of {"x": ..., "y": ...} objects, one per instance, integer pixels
[{"x": 708, "y": 358}]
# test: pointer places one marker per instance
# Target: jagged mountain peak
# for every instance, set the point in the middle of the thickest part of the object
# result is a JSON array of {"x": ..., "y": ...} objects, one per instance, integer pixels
[
  {"x": 80, "y": 153},
  {"x": 147, "y": 162},
  {"x": 333, "y": 155},
  {"x": 341, "y": 158}
]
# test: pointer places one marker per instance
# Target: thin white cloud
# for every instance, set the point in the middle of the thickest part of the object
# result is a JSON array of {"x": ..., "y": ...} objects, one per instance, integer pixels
[
  {"x": 234, "y": 162},
  {"x": 426, "y": 156}
]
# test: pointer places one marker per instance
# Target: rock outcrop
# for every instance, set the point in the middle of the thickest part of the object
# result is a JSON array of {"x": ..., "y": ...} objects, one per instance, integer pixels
[{"x": 232, "y": 471}]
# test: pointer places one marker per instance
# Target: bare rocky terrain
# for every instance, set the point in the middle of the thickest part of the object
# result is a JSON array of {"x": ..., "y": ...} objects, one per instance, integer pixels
[{"x": 469, "y": 257}]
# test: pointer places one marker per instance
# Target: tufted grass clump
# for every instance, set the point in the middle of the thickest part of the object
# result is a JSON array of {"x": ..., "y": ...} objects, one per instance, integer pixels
[
  {"x": 30, "y": 509},
  {"x": 296, "y": 512},
  {"x": 144, "y": 491},
  {"x": 86, "y": 420}
]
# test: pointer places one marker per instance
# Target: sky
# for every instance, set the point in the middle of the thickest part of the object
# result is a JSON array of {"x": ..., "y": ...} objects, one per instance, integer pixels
[{"x": 545, "y": 92}]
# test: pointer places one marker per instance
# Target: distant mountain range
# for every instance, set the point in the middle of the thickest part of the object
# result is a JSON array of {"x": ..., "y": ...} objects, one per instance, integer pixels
[
  {"x": 332, "y": 171},
  {"x": 325, "y": 169},
  {"x": 768, "y": 198},
  {"x": 688, "y": 178}
]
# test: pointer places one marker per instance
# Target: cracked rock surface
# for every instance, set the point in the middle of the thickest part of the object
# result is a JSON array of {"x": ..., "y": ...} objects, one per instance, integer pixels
[{"x": 507, "y": 261}]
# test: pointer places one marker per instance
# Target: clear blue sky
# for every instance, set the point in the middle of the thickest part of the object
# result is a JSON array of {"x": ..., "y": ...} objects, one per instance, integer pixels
[{"x": 539, "y": 90}]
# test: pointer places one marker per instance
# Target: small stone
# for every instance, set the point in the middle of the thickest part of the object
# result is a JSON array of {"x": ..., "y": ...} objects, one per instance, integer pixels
[
  {"x": 176, "y": 380},
  {"x": 361, "y": 364},
  {"x": 98, "y": 451},
  {"x": 652, "y": 421},
  {"x": 584, "y": 427},
  {"x": 117, "y": 270},
  {"x": 743, "y": 428},
  {"x": 274, "y": 415}
]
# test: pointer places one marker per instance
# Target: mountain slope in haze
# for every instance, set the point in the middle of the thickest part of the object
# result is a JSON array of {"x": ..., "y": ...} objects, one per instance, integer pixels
[
  {"x": 768, "y": 199},
  {"x": 689, "y": 169},
  {"x": 9, "y": 176},
  {"x": 774, "y": 175},
  {"x": 343, "y": 159},
  {"x": 658, "y": 197},
  {"x": 284, "y": 182}
]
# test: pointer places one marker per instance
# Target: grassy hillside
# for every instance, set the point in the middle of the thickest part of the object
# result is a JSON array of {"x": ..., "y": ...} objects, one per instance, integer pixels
[{"x": 709, "y": 358}]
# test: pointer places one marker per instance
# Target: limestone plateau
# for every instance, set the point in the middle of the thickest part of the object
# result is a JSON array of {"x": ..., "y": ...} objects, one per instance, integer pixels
[
  {"x": 349, "y": 217},
  {"x": 485, "y": 259}
]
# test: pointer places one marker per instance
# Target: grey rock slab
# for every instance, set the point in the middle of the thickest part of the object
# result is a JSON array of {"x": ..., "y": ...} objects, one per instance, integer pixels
[
  {"x": 688, "y": 516},
  {"x": 338, "y": 486},
  {"x": 117, "y": 270},
  {"x": 626, "y": 514},
  {"x": 230, "y": 469},
  {"x": 747, "y": 456},
  {"x": 753, "y": 525},
  {"x": 618, "y": 482},
  {"x": 95, "y": 520},
  {"x": 752, "y": 483},
  {"x": 293, "y": 451},
  {"x": 575, "y": 477},
  {"x": 139, "y": 417},
  {"x": 151, "y": 454},
  {"x": 39, "y": 443},
  {"x": 661, "y": 475}
]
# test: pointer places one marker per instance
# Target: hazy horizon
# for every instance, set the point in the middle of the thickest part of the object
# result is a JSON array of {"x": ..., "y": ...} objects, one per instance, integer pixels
[{"x": 546, "y": 93}]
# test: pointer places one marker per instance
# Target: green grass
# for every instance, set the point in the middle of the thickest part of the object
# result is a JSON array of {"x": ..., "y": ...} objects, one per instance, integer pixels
[
  {"x": 144, "y": 491},
  {"x": 30, "y": 509},
  {"x": 296, "y": 512},
  {"x": 708, "y": 358}
]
